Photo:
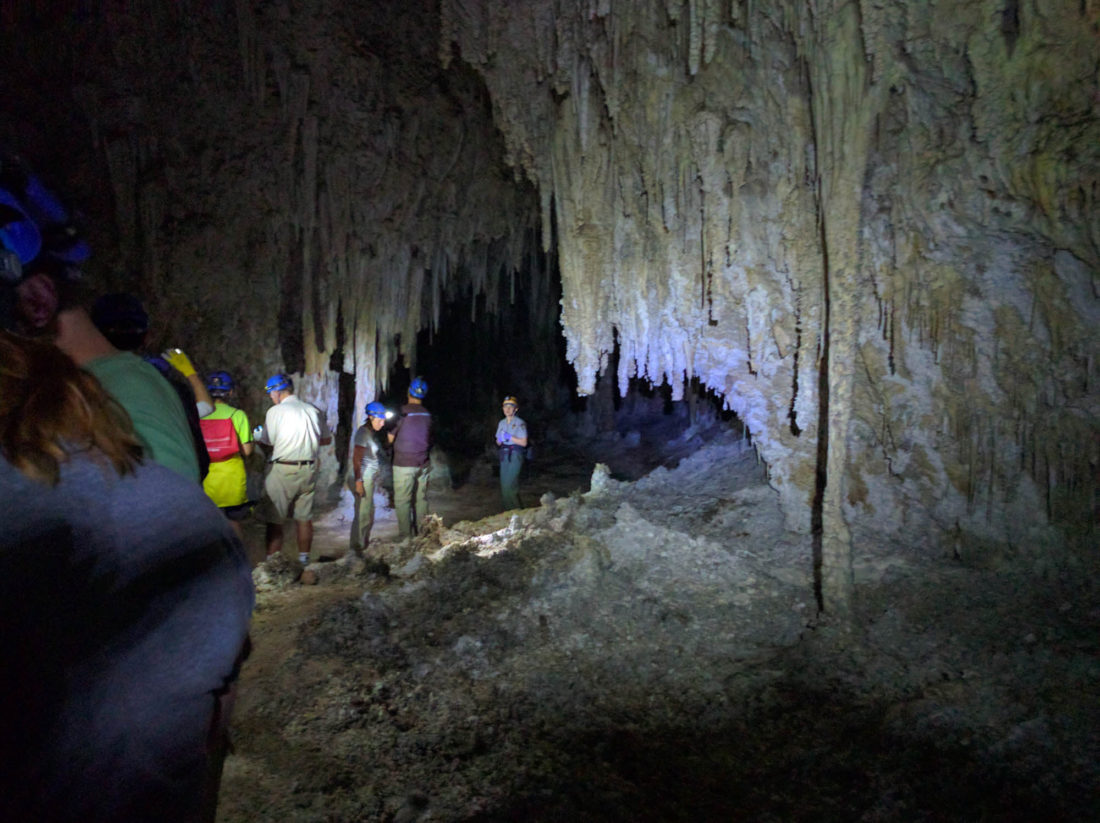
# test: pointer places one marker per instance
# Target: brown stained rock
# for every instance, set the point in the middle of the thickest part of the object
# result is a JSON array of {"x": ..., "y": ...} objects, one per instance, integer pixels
[{"x": 309, "y": 578}]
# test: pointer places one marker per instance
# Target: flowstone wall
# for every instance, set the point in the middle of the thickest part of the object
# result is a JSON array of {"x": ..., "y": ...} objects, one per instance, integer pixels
[
  {"x": 871, "y": 226},
  {"x": 282, "y": 181}
]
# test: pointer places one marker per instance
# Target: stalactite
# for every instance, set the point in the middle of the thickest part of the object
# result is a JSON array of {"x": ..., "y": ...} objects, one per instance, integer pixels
[
  {"x": 696, "y": 24},
  {"x": 582, "y": 77},
  {"x": 251, "y": 54},
  {"x": 307, "y": 212},
  {"x": 671, "y": 156}
]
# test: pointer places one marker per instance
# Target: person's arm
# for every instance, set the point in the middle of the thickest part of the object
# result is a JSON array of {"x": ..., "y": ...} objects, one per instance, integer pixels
[
  {"x": 357, "y": 464},
  {"x": 182, "y": 363},
  {"x": 266, "y": 434},
  {"x": 244, "y": 433},
  {"x": 519, "y": 438},
  {"x": 203, "y": 401}
]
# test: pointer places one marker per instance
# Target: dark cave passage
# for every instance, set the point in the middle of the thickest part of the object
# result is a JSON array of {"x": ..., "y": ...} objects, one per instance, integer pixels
[{"x": 487, "y": 347}]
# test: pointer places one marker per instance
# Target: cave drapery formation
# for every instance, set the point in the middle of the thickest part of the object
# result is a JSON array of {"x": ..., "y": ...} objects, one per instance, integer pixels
[
  {"x": 871, "y": 228},
  {"x": 868, "y": 225}
]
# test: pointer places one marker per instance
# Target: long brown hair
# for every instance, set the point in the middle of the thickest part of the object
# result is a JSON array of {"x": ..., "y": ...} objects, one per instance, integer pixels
[{"x": 50, "y": 408}]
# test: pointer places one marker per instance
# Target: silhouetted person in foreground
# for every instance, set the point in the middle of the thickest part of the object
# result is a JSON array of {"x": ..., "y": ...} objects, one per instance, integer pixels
[
  {"x": 48, "y": 305},
  {"x": 122, "y": 319},
  {"x": 125, "y": 602}
]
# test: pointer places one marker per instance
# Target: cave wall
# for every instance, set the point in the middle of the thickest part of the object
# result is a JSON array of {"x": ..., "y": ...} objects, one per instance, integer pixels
[
  {"x": 899, "y": 198},
  {"x": 870, "y": 227},
  {"x": 281, "y": 181}
]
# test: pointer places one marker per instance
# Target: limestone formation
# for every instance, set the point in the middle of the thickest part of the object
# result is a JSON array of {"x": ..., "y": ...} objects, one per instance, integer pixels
[{"x": 870, "y": 228}]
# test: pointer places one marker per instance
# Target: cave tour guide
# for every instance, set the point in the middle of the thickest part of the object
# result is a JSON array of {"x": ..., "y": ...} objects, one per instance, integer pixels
[{"x": 511, "y": 446}]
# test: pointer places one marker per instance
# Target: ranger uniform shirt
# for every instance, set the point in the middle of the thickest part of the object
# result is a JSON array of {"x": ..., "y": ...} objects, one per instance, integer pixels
[{"x": 515, "y": 427}]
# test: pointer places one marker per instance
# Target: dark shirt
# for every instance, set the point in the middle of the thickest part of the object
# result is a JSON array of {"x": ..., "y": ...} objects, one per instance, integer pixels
[
  {"x": 187, "y": 398},
  {"x": 124, "y": 603},
  {"x": 412, "y": 436}
]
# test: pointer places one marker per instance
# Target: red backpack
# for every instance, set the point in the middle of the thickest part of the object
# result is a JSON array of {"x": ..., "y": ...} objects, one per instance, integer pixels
[{"x": 221, "y": 438}]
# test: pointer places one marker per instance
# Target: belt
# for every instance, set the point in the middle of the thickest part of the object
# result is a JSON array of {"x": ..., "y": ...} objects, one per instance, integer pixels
[{"x": 293, "y": 462}]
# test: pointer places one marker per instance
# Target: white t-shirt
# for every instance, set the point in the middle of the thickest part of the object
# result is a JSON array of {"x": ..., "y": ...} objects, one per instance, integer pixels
[{"x": 295, "y": 430}]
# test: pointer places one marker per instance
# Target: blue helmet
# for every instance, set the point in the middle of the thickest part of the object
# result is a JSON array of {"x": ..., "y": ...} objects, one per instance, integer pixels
[
  {"x": 17, "y": 231},
  {"x": 376, "y": 409},
  {"x": 277, "y": 382},
  {"x": 219, "y": 383},
  {"x": 418, "y": 387}
]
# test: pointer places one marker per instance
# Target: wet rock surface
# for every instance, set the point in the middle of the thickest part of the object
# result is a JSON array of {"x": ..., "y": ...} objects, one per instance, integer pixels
[{"x": 652, "y": 650}]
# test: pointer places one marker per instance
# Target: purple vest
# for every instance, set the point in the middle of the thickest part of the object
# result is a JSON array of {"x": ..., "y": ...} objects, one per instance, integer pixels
[{"x": 413, "y": 436}]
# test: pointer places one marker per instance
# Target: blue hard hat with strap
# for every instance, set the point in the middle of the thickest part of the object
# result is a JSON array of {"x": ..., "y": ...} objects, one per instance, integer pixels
[
  {"x": 219, "y": 382},
  {"x": 376, "y": 409},
  {"x": 17, "y": 231},
  {"x": 418, "y": 387},
  {"x": 277, "y": 382}
]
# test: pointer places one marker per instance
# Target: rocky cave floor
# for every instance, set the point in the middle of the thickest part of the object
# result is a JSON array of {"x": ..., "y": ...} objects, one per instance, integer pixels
[{"x": 650, "y": 650}]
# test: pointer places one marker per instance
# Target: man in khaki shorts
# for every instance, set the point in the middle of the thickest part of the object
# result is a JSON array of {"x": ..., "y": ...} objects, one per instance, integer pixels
[{"x": 295, "y": 430}]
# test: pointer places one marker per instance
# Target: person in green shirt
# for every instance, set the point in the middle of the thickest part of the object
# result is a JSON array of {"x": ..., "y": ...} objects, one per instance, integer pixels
[{"x": 48, "y": 304}]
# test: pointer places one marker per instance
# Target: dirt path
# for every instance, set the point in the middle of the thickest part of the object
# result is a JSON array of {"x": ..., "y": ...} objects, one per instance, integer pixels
[
  {"x": 279, "y": 687},
  {"x": 475, "y": 496},
  {"x": 648, "y": 652}
]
